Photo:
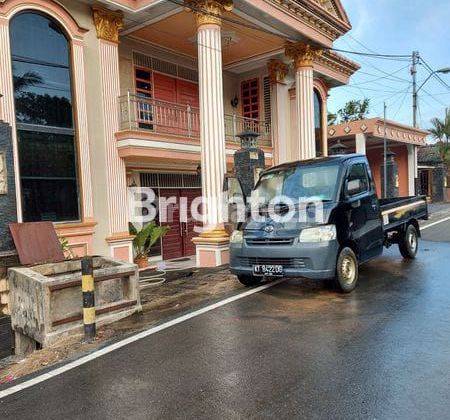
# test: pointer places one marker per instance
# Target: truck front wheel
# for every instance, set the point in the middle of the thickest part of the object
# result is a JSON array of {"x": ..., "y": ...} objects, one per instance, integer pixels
[
  {"x": 347, "y": 271},
  {"x": 409, "y": 243},
  {"x": 248, "y": 280}
]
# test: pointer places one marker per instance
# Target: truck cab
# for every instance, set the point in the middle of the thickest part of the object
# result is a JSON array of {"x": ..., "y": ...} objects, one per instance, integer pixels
[{"x": 320, "y": 219}]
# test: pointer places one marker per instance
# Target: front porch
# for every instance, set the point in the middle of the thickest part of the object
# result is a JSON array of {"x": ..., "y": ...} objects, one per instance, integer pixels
[{"x": 190, "y": 83}]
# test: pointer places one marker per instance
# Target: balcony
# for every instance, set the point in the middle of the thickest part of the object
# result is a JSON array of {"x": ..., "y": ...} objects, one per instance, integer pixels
[{"x": 174, "y": 120}]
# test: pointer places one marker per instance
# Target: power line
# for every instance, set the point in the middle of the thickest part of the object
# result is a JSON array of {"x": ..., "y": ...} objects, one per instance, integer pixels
[
  {"x": 434, "y": 73},
  {"x": 370, "y": 55},
  {"x": 397, "y": 57},
  {"x": 378, "y": 69},
  {"x": 382, "y": 77},
  {"x": 402, "y": 101}
]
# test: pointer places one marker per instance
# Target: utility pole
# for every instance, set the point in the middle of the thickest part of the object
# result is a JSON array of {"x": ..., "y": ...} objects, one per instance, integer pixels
[
  {"x": 415, "y": 62},
  {"x": 385, "y": 153}
]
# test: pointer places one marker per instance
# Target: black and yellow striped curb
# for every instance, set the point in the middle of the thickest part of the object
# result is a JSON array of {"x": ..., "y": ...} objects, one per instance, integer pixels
[{"x": 87, "y": 287}]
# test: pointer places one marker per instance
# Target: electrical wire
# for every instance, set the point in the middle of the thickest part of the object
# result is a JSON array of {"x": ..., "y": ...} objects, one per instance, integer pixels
[
  {"x": 397, "y": 57},
  {"x": 382, "y": 77},
  {"x": 433, "y": 73},
  {"x": 402, "y": 101}
]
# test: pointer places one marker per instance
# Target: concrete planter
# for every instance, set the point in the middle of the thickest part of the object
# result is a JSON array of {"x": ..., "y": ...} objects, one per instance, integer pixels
[{"x": 46, "y": 300}]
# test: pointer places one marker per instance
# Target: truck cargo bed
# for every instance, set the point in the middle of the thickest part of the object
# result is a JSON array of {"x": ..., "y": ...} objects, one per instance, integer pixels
[{"x": 400, "y": 210}]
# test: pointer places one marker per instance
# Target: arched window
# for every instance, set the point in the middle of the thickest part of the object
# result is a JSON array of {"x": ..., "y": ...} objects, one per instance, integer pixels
[
  {"x": 318, "y": 122},
  {"x": 44, "y": 118}
]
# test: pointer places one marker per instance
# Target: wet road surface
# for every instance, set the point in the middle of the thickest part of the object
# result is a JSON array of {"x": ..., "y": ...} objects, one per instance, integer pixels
[{"x": 298, "y": 349}]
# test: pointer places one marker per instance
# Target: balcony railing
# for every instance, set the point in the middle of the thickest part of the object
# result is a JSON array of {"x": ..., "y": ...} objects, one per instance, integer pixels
[{"x": 161, "y": 117}]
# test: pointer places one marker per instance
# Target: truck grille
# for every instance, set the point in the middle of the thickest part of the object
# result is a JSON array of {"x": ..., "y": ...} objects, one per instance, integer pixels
[
  {"x": 285, "y": 262},
  {"x": 270, "y": 241}
]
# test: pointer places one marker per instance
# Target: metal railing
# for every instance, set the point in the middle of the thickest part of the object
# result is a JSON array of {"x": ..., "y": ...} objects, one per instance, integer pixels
[
  {"x": 162, "y": 117},
  {"x": 235, "y": 124}
]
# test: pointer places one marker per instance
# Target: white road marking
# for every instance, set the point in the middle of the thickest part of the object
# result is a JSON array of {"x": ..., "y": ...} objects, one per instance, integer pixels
[
  {"x": 435, "y": 223},
  {"x": 108, "y": 349}
]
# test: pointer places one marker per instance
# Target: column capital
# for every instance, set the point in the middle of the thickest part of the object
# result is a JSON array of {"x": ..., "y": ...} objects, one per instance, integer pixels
[
  {"x": 277, "y": 71},
  {"x": 209, "y": 12},
  {"x": 302, "y": 54},
  {"x": 107, "y": 23}
]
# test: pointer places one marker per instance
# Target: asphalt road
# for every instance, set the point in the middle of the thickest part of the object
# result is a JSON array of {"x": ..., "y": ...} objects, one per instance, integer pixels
[{"x": 297, "y": 349}]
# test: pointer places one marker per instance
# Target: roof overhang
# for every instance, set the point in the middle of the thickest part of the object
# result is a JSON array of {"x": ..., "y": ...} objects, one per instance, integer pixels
[
  {"x": 374, "y": 128},
  {"x": 318, "y": 21}
]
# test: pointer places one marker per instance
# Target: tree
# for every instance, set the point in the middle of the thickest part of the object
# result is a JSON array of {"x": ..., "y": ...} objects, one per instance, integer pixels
[
  {"x": 441, "y": 132},
  {"x": 332, "y": 118},
  {"x": 354, "y": 110},
  {"x": 30, "y": 78}
]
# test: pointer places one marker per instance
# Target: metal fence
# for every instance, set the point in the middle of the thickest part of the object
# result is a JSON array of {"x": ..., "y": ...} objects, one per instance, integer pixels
[{"x": 162, "y": 117}]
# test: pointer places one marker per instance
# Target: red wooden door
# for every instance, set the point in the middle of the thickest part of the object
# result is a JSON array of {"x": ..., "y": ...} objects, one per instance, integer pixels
[
  {"x": 165, "y": 90},
  {"x": 189, "y": 225},
  {"x": 178, "y": 241},
  {"x": 164, "y": 87},
  {"x": 173, "y": 116},
  {"x": 171, "y": 243},
  {"x": 187, "y": 93}
]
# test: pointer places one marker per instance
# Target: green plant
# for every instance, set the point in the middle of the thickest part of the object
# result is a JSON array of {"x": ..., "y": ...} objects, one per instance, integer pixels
[
  {"x": 146, "y": 237},
  {"x": 441, "y": 132},
  {"x": 332, "y": 118},
  {"x": 68, "y": 253}
]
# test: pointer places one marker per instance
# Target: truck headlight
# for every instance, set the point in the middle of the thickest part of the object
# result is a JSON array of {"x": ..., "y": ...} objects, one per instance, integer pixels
[
  {"x": 237, "y": 237},
  {"x": 318, "y": 234}
]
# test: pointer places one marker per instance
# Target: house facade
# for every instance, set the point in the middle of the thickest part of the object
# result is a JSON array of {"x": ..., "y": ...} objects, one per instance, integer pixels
[
  {"x": 106, "y": 95},
  {"x": 367, "y": 137}
]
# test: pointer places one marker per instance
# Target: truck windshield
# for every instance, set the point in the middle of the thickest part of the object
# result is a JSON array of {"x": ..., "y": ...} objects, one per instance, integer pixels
[{"x": 308, "y": 183}]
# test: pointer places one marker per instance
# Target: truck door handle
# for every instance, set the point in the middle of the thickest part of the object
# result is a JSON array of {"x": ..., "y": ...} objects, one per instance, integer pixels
[{"x": 356, "y": 204}]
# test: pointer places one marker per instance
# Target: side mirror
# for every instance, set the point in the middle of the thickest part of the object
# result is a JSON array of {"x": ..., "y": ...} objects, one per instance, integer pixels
[{"x": 353, "y": 187}]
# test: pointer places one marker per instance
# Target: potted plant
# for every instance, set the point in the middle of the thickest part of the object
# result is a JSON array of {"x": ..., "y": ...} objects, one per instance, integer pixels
[{"x": 144, "y": 239}]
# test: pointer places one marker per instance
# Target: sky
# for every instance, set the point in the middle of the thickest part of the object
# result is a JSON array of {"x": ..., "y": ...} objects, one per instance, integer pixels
[{"x": 396, "y": 27}]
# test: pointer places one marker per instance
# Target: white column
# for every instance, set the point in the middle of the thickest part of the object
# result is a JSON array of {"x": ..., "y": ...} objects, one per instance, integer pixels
[
  {"x": 7, "y": 112},
  {"x": 304, "y": 97},
  {"x": 279, "y": 98},
  {"x": 117, "y": 187},
  {"x": 212, "y": 123},
  {"x": 82, "y": 130},
  {"x": 107, "y": 25},
  {"x": 325, "y": 125},
  {"x": 212, "y": 245},
  {"x": 412, "y": 168},
  {"x": 360, "y": 140},
  {"x": 303, "y": 56}
]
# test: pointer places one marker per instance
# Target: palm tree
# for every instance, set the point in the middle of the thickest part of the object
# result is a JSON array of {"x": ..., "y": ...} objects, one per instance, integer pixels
[
  {"x": 441, "y": 132},
  {"x": 30, "y": 78}
]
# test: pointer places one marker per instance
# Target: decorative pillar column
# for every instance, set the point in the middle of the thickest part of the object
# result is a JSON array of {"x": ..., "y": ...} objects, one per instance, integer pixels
[
  {"x": 325, "y": 125},
  {"x": 280, "y": 108},
  {"x": 360, "y": 143},
  {"x": 213, "y": 244},
  {"x": 303, "y": 56},
  {"x": 107, "y": 25},
  {"x": 412, "y": 168}
]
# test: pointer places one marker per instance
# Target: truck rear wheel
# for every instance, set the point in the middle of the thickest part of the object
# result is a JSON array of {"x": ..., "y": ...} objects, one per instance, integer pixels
[
  {"x": 248, "y": 280},
  {"x": 347, "y": 270},
  {"x": 409, "y": 243}
]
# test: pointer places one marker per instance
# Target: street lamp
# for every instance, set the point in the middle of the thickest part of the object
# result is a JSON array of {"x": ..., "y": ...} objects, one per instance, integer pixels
[{"x": 445, "y": 70}]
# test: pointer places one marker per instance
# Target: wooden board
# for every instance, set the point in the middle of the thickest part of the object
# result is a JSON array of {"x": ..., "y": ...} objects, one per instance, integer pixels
[{"x": 36, "y": 243}]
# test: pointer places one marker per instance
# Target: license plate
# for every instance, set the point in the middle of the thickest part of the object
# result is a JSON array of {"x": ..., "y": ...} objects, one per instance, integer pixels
[{"x": 268, "y": 270}]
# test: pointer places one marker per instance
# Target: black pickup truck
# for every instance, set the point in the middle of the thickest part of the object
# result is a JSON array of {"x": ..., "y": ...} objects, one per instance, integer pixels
[{"x": 353, "y": 227}]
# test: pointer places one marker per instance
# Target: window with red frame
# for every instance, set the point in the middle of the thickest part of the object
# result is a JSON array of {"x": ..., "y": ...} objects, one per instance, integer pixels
[{"x": 250, "y": 98}]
